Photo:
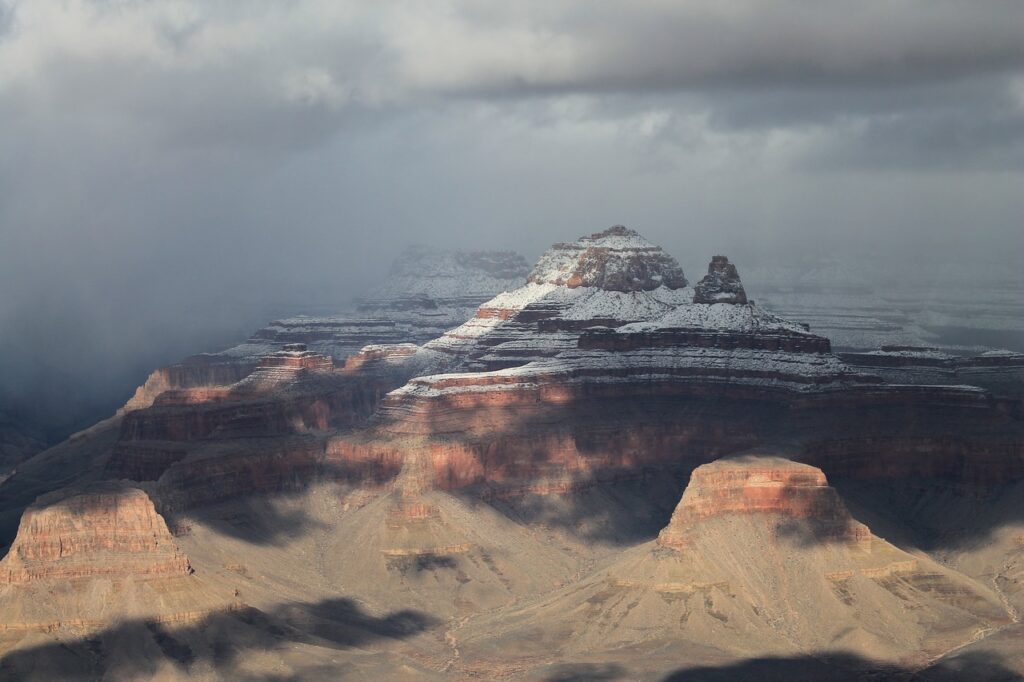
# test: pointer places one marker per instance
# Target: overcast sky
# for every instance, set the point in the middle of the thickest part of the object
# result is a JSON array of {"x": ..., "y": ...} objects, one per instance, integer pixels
[{"x": 165, "y": 166}]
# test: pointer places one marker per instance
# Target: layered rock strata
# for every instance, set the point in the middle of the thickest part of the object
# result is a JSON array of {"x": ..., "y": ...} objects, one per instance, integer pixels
[
  {"x": 107, "y": 529},
  {"x": 608, "y": 279},
  {"x": 426, "y": 292},
  {"x": 766, "y": 486},
  {"x": 293, "y": 393},
  {"x": 683, "y": 384},
  {"x": 1001, "y": 372},
  {"x": 760, "y": 556}
]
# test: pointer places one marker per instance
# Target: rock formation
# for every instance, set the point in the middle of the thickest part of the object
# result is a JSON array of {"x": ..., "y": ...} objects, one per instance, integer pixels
[
  {"x": 426, "y": 292},
  {"x": 106, "y": 529},
  {"x": 511, "y": 476},
  {"x": 617, "y": 259},
  {"x": 763, "y": 486},
  {"x": 562, "y": 351},
  {"x": 721, "y": 284},
  {"x": 92, "y": 556},
  {"x": 771, "y": 562},
  {"x": 1000, "y": 371},
  {"x": 608, "y": 279}
]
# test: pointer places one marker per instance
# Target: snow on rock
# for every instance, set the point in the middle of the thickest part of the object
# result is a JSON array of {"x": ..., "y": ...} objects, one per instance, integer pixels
[
  {"x": 617, "y": 259},
  {"x": 721, "y": 284},
  {"x": 745, "y": 318},
  {"x": 426, "y": 292}
]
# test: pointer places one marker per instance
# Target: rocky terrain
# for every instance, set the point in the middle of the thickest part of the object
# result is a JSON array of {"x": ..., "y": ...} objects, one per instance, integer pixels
[
  {"x": 426, "y": 292},
  {"x": 762, "y": 546},
  {"x": 600, "y": 472}
]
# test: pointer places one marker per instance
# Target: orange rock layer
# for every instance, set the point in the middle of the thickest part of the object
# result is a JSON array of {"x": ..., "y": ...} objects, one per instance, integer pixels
[
  {"x": 107, "y": 529},
  {"x": 765, "y": 486}
]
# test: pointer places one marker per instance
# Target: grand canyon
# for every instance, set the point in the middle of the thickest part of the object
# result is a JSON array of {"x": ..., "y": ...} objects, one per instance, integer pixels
[{"x": 597, "y": 468}]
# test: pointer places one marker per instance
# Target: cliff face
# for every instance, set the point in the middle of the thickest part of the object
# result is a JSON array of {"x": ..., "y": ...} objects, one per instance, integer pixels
[
  {"x": 721, "y": 284},
  {"x": 592, "y": 396},
  {"x": 292, "y": 392},
  {"x": 608, "y": 279},
  {"x": 763, "y": 486},
  {"x": 200, "y": 370},
  {"x": 107, "y": 529}
]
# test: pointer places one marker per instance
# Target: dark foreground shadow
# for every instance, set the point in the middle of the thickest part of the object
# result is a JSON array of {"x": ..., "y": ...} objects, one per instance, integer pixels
[
  {"x": 976, "y": 667},
  {"x": 587, "y": 672},
  {"x": 224, "y": 641}
]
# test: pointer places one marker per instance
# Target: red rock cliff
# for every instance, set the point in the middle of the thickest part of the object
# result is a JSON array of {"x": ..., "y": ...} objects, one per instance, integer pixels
[
  {"x": 106, "y": 529},
  {"x": 764, "y": 486}
]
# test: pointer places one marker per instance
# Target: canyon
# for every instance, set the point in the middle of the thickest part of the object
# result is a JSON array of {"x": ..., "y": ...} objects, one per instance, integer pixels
[{"x": 501, "y": 472}]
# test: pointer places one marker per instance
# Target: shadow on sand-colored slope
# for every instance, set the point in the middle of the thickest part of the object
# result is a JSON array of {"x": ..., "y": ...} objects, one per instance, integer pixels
[
  {"x": 843, "y": 667},
  {"x": 219, "y": 643}
]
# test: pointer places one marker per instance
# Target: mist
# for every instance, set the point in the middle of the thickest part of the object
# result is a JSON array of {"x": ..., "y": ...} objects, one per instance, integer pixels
[{"x": 173, "y": 175}]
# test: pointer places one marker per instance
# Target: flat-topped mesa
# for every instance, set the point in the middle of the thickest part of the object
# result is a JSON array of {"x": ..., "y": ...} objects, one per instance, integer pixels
[
  {"x": 721, "y": 284},
  {"x": 763, "y": 486},
  {"x": 617, "y": 259},
  {"x": 108, "y": 529}
]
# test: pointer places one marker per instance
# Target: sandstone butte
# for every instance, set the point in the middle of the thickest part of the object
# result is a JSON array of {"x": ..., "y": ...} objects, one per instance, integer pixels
[
  {"x": 107, "y": 528},
  {"x": 760, "y": 554},
  {"x": 762, "y": 485}
]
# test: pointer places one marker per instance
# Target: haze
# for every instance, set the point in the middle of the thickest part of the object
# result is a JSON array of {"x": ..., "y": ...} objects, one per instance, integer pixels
[{"x": 173, "y": 174}]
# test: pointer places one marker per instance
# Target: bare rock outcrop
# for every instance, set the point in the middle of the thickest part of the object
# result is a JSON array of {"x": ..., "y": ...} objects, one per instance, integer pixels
[
  {"x": 763, "y": 486},
  {"x": 106, "y": 529},
  {"x": 772, "y": 562},
  {"x": 721, "y": 284},
  {"x": 617, "y": 259}
]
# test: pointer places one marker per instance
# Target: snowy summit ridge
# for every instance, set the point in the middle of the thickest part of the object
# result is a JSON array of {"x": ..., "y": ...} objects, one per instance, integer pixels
[{"x": 617, "y": 259}]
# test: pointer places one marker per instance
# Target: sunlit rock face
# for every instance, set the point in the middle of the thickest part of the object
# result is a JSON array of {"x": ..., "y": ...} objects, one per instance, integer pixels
[
  {"x": 762, "y": 486},
  {"x": 107, "y": 529},
  {"x": 721, "y": 284}
]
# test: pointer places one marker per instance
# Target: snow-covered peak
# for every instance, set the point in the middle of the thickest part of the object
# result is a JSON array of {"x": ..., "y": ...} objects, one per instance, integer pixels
[{"x": 617, "y": 259}]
